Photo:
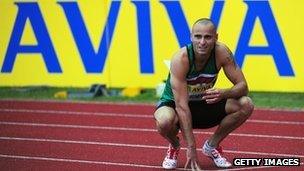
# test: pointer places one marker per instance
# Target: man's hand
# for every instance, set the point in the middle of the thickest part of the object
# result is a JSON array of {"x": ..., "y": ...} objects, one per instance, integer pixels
[
  {"x": 192, "y": 160},
  {"x": 213, "y": 95}
]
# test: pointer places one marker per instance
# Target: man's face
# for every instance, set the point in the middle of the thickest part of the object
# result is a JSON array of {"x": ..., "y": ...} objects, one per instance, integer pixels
[{"x": 203, "y": 38}]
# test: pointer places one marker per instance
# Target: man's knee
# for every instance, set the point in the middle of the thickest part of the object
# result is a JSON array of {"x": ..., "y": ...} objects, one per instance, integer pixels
[
  {"x": 165, "y": 121},
  {"x": 246, "y": 106},
  {"x": 163, "y": 126}
]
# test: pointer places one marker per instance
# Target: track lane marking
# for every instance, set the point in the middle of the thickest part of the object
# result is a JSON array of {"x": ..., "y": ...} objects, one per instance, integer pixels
[
  {"x": 60, "y": 112},
  {"x": 119, "y": 104},
  {"x": 115, "y": 163},
  {"x": 136, "y": 146},
  {"x": 76, "y": 161},
  {"x": 140, "y": 130}
]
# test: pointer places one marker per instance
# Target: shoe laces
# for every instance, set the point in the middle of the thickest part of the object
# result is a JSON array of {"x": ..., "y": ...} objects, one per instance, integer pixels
[
  {"x": 217, "y": 152},
  {"x": 219, "y": 149},
  {"x": 221, "y": 161},
  {"x": 216, "y": 155},
  {"x": 172, "y": 152}
]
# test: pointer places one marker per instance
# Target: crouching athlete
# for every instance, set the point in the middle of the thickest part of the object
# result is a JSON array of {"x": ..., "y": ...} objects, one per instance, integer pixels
[{"x": 190, "y": 101}]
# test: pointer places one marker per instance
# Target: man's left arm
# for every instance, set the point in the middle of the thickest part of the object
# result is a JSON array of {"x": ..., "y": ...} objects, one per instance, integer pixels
[{"x": 234, "y": 74}]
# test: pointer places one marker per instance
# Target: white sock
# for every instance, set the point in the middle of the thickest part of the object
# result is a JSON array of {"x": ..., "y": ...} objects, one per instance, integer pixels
[{"x": 209, "y": 146}]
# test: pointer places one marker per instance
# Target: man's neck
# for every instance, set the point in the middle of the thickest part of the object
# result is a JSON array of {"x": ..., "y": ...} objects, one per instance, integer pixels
[{"x": 201, "y": 58}]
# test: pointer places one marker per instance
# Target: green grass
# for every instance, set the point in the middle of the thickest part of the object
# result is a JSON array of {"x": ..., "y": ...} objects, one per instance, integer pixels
[
  {"x": 44, "y": 92},
  {"x": 39, "y": 92},
  {"x": 294, "y": 101},
  {"x": 278, "y": 100}
]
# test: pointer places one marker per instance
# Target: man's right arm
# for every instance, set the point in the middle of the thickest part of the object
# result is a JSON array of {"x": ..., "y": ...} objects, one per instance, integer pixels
[{"x": 179, "y": 69}]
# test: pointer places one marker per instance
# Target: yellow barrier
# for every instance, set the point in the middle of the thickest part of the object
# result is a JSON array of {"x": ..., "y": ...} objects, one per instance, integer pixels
[{"x": 124, "y": 43}]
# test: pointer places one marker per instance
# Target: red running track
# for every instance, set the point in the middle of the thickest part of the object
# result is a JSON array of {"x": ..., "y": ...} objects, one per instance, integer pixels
[{"x": 97, "y": 136}]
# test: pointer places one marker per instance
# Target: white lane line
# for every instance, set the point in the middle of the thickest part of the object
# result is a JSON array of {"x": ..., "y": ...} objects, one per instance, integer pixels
[
  {"x": 49, "y": 101},
  {"x": 275, "y": 122},
  {"x": 60, "y": 112},
  {"x": 77, "y": 161},
  {"x": 137, "y": 146},
  {"x": 141, "y": 130},
  {"x": 111, "y": 163}
]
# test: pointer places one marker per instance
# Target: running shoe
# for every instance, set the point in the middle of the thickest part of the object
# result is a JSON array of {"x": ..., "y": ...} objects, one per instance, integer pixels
[
  {"x": 216, "y": 155},
  {"x": 170, "y": 161}
]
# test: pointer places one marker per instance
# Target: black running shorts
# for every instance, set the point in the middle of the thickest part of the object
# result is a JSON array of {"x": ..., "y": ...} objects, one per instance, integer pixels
[{"x": 203, "y": 115}]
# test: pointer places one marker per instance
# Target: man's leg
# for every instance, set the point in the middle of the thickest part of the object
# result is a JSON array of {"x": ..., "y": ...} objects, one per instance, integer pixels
[
  {"x": 238, "y": 111},
  {"x": 166, "y": 123}
]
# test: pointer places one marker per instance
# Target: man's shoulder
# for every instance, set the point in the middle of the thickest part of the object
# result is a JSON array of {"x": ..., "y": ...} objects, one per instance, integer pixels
[
  {"x": 222, "y": 50},
  {"x": 180, "y": 61},
  {"x": 183, "y": 50},
  {"x": 181, "y": 54}
]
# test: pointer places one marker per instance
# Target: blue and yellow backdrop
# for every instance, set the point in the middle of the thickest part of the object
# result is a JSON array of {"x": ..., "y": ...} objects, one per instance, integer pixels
[{"x": 124, "y": 43}]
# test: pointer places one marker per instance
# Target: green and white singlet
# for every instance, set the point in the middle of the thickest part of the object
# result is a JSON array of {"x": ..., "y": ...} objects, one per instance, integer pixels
[{"x": 197, "y": 81}]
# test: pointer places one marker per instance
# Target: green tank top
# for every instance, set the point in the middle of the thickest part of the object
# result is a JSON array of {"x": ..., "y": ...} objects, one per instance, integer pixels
[{"x": 197, "y": 81}]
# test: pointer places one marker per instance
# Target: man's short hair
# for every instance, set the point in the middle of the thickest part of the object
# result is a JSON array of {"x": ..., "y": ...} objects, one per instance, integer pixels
[{"x": 205, "y": 21}]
